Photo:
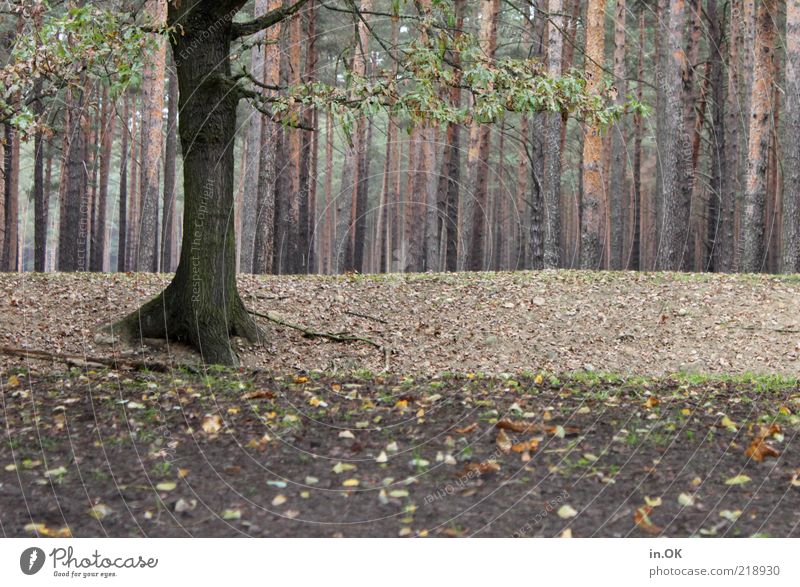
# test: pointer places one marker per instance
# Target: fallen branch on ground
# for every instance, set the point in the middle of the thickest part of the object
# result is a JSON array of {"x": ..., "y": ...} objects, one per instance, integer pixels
[
  {"x": 95, "y": 362},
  {"x": 308, "y": 333}
]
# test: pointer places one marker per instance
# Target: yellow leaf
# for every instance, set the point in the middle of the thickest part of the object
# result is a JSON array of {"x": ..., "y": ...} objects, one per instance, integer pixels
[
  {"x": 13, "y": 381},
  {"x": 350, "y": 483},
  {"x": 738, "y": 480},
  {"x": 567, "y": 511},
  {"x": 279, "y": 499},
  {"x": 653, "y": 502},
  {"x": 728, "y": 423},
  {"x": 166, "y": 486},
  {"x": 651, "y": 402},
  {"x": 538, "y": 380},
  {"x": 301, "y": 379},
  {"x": 182, "y": 473},
  {"x": 401, "y": 404},
  {"x": 44, "y": 530},
  {"x": 503, "y": 441}
]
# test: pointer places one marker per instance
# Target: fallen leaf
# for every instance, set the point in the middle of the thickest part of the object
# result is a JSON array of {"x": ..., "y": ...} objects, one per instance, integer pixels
[
  {"x": 346, "y": 434},
  {"x": 212, "y": 423},
  {"x": 350, "y": 483},
  {"x": 13, "y": 381},
  {"x": 166, "y": 486},
  {"x": 300, "y": 379},
  {"x": 567, "y": 533},
  {"x": 44, "y": 530},
  {"x": 259, "y": 394},
  {"x": 381, "y": 458},
  {"x": 100, "y": 511},
  {"x": 759, "y": 449},
  {"x": 480, "y": 468},
  {"x": 526, "y": 446},
  {"x": 279, "y": 499},
  {"x": 521, "y": 426},
  {"x": 653, "y": 502},
  {"x": 726, "y": 422},
  {"x": 340, "y": 468},
  {"x": 729, "y": 515},
  {"x": 503, "y": 442},
  {"x": 738, "y": 480},
  {"x": 232, "y": 514},
  {"x": 642, "y": 518},
  {"x": 686, "y": 500},
  {"x": 795, "y": 481},
  {"x": 566, "y": 511},
  {"x": 182, "y": 505},
  {"x": 651, "y": 402},
  {"x": 467, "y": 429}
]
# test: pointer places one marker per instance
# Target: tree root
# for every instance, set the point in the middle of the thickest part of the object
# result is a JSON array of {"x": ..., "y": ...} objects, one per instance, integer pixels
[{"x": 308, "y": 333}]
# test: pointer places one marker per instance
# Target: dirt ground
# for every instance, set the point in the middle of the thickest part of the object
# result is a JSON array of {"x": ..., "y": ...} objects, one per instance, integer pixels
[
  {"x": 627, "y": 323},
  {"x": 129, "y": 454}
]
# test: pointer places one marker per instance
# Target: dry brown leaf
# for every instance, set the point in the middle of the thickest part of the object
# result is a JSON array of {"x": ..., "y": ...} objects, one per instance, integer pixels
[
  {"x": 212, "y": 423},
  {"x": 259, "y": 394},
  {"x": 467, "y": 429},
  {"x": 526, "y": 446},
  {"x": 759, "y": 449},
  {"x": 480, "y": 468},
  {"x": 652, "y": 402},
  {"x": 642, "y": 518},
  {"x": 503, "y": 442},
  {"x": 519, "y": 426}
]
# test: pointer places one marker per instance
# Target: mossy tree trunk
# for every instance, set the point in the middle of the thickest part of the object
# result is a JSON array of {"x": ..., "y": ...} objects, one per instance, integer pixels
[{"x": 202, "y": 305}]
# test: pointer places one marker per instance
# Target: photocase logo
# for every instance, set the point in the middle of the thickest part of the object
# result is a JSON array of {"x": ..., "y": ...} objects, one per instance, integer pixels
[{"x": 31, "y": 560}]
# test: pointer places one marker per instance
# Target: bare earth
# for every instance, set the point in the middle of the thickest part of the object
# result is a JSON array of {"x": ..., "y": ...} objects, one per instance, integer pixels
[{"x": 625, "y": 323}]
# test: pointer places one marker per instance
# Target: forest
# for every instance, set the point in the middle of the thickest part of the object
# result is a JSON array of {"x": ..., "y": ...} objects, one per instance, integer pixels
[
  {"x": 704, "y": 176},
  {"x": 400, "y": 268}
]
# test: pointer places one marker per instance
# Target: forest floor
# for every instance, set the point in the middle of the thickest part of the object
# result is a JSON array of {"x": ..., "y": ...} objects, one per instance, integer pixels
[{"x": 519, "y": 404}]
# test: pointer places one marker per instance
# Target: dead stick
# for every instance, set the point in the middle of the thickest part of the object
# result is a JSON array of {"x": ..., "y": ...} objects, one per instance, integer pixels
[
  {"x": 76, "y": 361},
  {"x": 367, "y": 316},
  {"x": 308, "y": 333}
]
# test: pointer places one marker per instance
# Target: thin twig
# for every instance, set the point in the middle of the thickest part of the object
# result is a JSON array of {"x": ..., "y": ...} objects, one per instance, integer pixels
[
  {"x": 367, "y": 316},
  {"x": 308, "y": 333}
]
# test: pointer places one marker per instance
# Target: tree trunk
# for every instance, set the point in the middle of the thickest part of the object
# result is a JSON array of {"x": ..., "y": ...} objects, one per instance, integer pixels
[
  {"x": 634, "y": 256},
  {"x": 618, "y": 185},
  {"x": 247, "y": 233},
  {"x": 98, "y": 255},
  {"x": 122, "y": 225},
  {"x": 552, "y": 140},
  {"x": 202, "y": 305},
  {"x": 263, "y": 253},
  {"x": 674, "y": 220},
  {"x": 593, "y": 200},
  {"x": 11, "y": 176},
  {"x": 753, "y": 251},
  {"x": 476, "y": 204},
  {"x": 40, "y": 203},
  {"x": 791, "y": 189},
  {"x": 73, "y": 221},
  {"x": 168, "y": 248},
  {"x": 719, "y": 168}
]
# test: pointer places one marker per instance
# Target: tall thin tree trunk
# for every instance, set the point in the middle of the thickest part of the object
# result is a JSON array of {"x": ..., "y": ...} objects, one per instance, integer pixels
[
  {"x": 98, "y": 258},
  {"x": 152, "y": 127},
  {"x": 552, "y": 151},
  {"x": 618, "y": 185},
  {"x": 791, "y": 189},
  {"x": 122, "y": 232},
  {"x": 476, "y": 204},
  {"x": 264, "y": 253},
  {"x": 40, "y": 203},
  {"x": 168, "y": 241},
  {"x": 753, "y": 244},
  {"x": 11, "y": 176},
  {"x": 674, "y": 216},
  {"x": 593, "y": 200}
]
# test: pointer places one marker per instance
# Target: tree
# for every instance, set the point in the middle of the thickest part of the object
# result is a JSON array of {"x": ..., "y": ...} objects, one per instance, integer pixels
[
  {"x": 152, "y": 128},
  {"x": 593, "y": 198},
  {"x": 674, "y": 217},
  {"x": 122, "y": 225},
  {"x": 552, "y": 157},
  {"x": 168, "y": 252},
  {"x": 753, "y": 249},
  {"x": 618, "y": 184},
  {"x": 97, "y": 258},
  {"x": 476, "y": 204},
  {"x": 791, "y": 192}
]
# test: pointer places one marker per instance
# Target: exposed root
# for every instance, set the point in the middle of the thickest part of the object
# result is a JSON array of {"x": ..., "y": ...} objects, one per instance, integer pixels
[{"x": 93, "y": 362}]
